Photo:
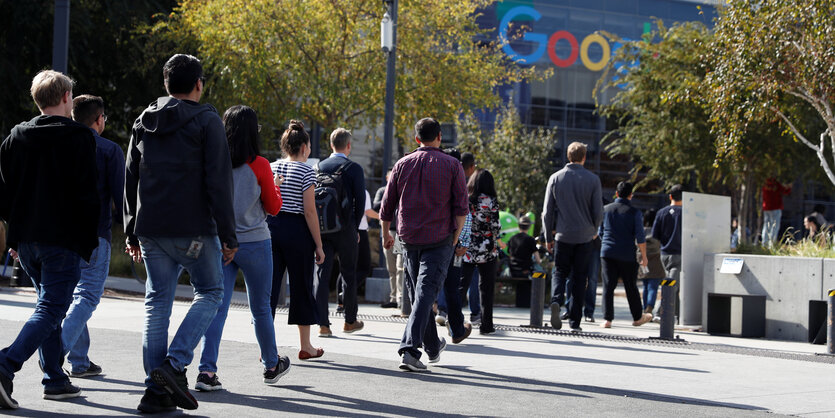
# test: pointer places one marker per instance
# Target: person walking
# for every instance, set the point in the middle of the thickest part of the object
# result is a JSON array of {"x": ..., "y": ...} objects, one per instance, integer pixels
[
  {"x": 256, "y": 192},
  {"x": 345, "y": 242},
  {"x": 427, "y": 189},
  {"x": 666, "y": 228},
  {"x": 572, "y": 212},
  {"x": 483, "y": 251},
  {"x": 654, "y": 273},
  {"x": 394, "y": 260},
  {"x": 49, "y": 248},
  {"x": 621, "y": 229},
  {"x": 110, "y": 165},
  {"x": 178, "y": 213},
  {"x": 295, "y": 236}
]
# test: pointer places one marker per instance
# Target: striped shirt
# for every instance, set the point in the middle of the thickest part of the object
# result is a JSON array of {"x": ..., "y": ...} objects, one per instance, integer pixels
[{"x": 298, "y": 177}]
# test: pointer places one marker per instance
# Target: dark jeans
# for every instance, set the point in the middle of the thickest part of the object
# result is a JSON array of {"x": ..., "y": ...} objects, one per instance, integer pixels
[
  {"x": 572, "y": 261},
  {"x": 426, "y": 270},
  {"x": 567, "y": 285},
  {"x": 487, "y": 283},
  {"x": 342, "y": 244},
  {"x": 363, "y": 266},
  {"x": 452, "y": 299},
  {"x": 55, "y": 272},
  {"x": 628, "y": 272}
]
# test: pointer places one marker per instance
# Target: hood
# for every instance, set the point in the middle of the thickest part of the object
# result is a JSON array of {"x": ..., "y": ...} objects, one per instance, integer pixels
[
  {"x": 168, "y": 114},
  {"x": 47, "y": 127}
]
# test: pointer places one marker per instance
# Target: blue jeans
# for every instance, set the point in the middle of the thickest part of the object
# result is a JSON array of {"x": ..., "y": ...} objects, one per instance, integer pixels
[
  {"x": 163, "y": 258},
  {"x": 85, "y": 299},
  {"x": 650, "y": 292},
  {"x": 54, "y": 272},
  {"x": 771, "y": 226},
  {"x": 255, "y": 259},
  {"x": 426, "y": 270},
  {"x": 473, "y": 297}
]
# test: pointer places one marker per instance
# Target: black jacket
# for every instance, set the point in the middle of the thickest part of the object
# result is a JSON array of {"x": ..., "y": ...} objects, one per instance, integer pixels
[
  {"x": 178, "y": 177},
  {"x": 48, "y": 184},
  {"x": 353, "y": 185}
]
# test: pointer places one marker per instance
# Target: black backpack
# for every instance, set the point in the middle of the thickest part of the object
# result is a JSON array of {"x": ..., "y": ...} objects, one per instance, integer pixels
[{"x": 331, "y": 200}]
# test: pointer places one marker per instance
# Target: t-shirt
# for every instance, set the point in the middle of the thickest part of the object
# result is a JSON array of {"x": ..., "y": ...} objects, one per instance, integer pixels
[
  {"x": 667, "y": 229},
  {"x": 521, "y": 247},
  {"x": 298, "y": 177},
  {"x": 364, "y": 220}
]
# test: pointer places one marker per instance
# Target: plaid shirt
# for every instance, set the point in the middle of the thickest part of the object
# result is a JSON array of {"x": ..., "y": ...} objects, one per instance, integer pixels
[
  {"x": 429, "y": 189},
  {"x": 464, "y": 238}
]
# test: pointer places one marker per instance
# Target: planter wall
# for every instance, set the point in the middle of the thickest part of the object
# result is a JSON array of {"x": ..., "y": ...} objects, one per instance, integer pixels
[{"x": 788, "y": 283}]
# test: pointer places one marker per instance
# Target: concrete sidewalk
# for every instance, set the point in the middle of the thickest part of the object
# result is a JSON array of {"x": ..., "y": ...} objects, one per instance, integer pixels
[{"x": 509, "y": 373}]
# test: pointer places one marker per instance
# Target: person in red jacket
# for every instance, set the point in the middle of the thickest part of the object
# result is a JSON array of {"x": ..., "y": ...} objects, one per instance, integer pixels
[{"x": 773, "y": 193}]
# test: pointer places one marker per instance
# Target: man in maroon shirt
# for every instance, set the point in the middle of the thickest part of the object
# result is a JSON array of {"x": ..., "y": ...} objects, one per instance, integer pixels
[{"x": 428, "y": 188}]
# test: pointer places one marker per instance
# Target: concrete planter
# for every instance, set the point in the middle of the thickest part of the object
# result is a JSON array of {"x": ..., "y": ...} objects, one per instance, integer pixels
[{"x": 788, "y": 283}]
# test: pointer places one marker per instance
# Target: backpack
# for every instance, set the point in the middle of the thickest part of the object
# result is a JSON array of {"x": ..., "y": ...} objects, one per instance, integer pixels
[{"x": 331, "y": 201}]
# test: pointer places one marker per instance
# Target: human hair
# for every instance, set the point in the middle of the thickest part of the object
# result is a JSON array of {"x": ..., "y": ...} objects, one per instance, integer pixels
[
  {"x": 813, "y": 220},
  {"x": 427, "y": 129},
  {"x": 181, "y": 73},
  {"x": 49, "y": 87},
  {"x": 524, "y": 223},
  {"x": 675, "y": 192},
  {"x": 294, "y": 137},
  {"x": 87, "y": 108},
  {"x": 481, "y": 182},
  {"x": 576, "y": 152},
  {"x": 624, "y": 189},
  {"x": 241, "y": 123},
  {"x": 467, "y": 160},
  {"x": 340, "y": 138},
  {"x": 453, "y": 152}
]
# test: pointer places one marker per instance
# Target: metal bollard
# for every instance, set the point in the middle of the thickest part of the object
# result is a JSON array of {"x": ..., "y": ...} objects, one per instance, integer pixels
[
  {"x": 830, "y": 324},
  {"x": 19, "y": 276},
  {"x": 537, "y": 295},
  {"x": 668, "y": 309}
]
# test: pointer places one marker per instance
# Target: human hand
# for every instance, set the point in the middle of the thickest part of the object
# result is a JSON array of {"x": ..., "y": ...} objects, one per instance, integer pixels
[
  {"x": 278, "y": 179},
  {"x": 460, "y": 251},
  {"x": 228, "y": 254},
  {"x": 550, "y": 246},
  {"x": 644, "y": 261},
  {"x": 388, "y": 241},
  {"x": 320, "y": 255},
  {"x": 134, "y": 252},
  {"x": 14, "y": 255}
]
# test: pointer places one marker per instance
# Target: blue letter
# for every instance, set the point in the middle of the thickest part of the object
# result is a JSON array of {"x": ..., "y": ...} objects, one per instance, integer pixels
[{"x": 530, "y": 37}]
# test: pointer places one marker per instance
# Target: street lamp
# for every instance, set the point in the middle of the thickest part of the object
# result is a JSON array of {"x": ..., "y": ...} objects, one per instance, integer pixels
[
  {"x": 386, "y": 33},
  {"x": 388, "y": 42}
]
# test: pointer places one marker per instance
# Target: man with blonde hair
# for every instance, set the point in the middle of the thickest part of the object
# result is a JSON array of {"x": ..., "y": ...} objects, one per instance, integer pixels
[
  {"x": 49, "y": 246},
  {"x": 572, "y": 213}
]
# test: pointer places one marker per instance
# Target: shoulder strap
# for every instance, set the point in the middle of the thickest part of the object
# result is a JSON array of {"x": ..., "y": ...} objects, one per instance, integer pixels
[{"x": 342, "y": 167}]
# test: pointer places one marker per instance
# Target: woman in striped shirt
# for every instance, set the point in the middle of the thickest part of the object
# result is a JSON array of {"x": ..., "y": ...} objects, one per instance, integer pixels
[
  {"x": 295, "y": 234},
  {"x": 256, "y": 194}
]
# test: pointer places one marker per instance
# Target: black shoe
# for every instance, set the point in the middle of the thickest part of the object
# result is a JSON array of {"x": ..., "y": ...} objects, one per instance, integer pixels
[
  {"x": 175, "y": 383},
  {"x": 590, "y": 319},
  {"x": 556, "y": 322},
  {"x": 153, "y": 403},
  {"x": 564, "y": 316},
  {"x": 486, "y": 330},
  {"x": 207, "y": 384},
  {"x": 62, "y": 392},
  {"x": 388, "y": 305},
  {"x": 92, "y": 370},
  {"x": 6, "y": 387},
  {"x": 283, "y": 366},
  {"x": 340, "y": 309}
]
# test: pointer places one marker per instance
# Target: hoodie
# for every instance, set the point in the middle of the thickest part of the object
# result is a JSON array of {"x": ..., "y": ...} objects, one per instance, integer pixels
[
  {"x": 178, "y": 176},
  {"x": 48, "y": 184}
]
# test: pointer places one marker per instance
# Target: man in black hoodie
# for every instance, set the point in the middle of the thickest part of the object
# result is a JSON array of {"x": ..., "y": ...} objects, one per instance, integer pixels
[
  {"x": 48, "y": 196},
  {"x": 178, "y": 212}
]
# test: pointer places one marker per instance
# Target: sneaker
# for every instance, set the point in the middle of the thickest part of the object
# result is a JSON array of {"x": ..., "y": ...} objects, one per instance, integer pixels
[
  {"x": 353, "y": 327},
  {"x": 606, "y": 324},
  {"x": 556, "y": 321},
  {"x": 92, "y": 370},
  {"x": 468, "y": 329},
  {"x": 590, "y": 319},
  {"x": 440, "y": 318},
  {"x": 283, "y": 366},
  {"x": 388, "y": 305},
  {"x": 411, "y": 363},
  {"x": 643, "y": 320},
  {"x": 153, "y": 403},
  {"x": 62, "y": 392},
  {"x": 475, "y": 319},
  {"x": 175, "y": 383},
  {"x": 564, "y": 316},
  {"x": 340, "y": 308},
  {"x": 207, "y": 384},
  {"x": 325, "y": 332},
  {"x": 485, "y": 331},
  {"x": 656, "y": 319},
  {"x": 576, "y": 329},
  {"x": 441, "y": 347},
  {"x": 6, "y": 387}
]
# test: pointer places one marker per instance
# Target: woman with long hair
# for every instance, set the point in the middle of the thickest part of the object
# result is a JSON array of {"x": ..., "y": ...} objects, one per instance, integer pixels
[
  {"x": 483, "y": 250},
  {"x": 256, "y": 195},
  {"x": 295, "y": 234}
]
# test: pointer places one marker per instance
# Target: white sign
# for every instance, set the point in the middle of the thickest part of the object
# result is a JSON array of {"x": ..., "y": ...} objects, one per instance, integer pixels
[{"x": 731, "y": 265}]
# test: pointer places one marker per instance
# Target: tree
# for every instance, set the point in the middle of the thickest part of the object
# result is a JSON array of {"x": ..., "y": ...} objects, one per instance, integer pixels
[
  {"x": 775, "y": 62},
  {"x": 321, "y": 61},
  {"x": 519, "y": 159}
]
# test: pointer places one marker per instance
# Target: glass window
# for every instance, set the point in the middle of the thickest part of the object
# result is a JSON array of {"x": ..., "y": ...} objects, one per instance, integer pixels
[
  {"x": 622, "y": 6},
  {"x": 655, "y": 8}
]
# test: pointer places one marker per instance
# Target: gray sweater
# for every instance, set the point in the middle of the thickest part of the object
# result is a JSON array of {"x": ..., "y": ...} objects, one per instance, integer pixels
[{"x": 573, "y": 205}]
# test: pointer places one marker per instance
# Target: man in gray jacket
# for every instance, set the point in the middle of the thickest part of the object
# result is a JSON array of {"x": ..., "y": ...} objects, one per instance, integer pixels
[{"x": 572, "y": 212}]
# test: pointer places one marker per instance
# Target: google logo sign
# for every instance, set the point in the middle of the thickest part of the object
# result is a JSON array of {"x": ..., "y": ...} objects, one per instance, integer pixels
[{"x": 546, "y": 43}]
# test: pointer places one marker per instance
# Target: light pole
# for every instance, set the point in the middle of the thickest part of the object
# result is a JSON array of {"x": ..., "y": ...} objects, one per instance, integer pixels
[
  {"x": 388, "y": 42},
  {"x": 61, "y": 36}
]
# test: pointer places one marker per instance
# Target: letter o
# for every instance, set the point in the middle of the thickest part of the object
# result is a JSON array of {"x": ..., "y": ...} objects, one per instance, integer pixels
[
  {"x": 552, "y": 44},
  {"x": 584, "y": 52}
]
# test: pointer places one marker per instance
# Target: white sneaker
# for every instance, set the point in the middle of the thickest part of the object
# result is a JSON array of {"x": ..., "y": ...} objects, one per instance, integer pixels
[
  {"x": 440, "y": 318},
  {"x": 441, "y": 347}
]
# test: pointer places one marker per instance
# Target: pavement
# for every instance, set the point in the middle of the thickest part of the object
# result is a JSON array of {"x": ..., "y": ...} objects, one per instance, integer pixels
[{"x": 514, "y": 372}]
